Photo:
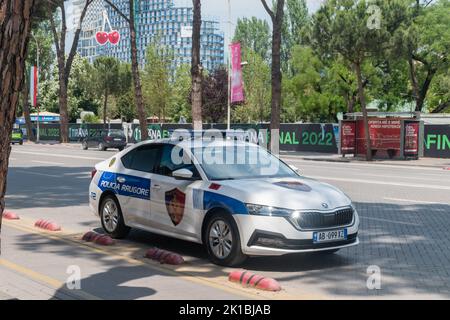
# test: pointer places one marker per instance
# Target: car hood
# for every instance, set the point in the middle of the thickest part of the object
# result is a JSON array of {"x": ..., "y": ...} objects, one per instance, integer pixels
[{"x": 290, "y": 193}]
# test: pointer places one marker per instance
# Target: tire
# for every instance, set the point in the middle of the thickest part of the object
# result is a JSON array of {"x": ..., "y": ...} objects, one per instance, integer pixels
[
  {"x": 21, "y": 143},
  {"x": 84, "y": 145},
  {"x": 222, "y": 254},
  {"x": 113, "y": 223},
  {"x": 101, "y": 147},
  {"x": 121, "y": 148}
]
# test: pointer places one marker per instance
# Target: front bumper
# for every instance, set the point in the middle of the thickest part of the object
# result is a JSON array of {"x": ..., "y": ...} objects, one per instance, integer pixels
[{"x": 275, "y": 236}]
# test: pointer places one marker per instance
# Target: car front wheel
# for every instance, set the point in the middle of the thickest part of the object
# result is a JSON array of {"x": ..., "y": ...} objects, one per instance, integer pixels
[
  {"x": 84, "y": 145},
  {"x": 222, "y": 240},
  {"x": 112, "y": 218}
]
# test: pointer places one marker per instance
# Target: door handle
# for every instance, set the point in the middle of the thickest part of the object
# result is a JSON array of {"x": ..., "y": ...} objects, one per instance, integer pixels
[{"x": 121, "y": 179}]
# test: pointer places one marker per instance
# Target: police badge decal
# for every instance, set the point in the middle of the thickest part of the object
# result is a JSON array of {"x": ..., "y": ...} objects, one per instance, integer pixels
[{"x": 175, "y": 203}]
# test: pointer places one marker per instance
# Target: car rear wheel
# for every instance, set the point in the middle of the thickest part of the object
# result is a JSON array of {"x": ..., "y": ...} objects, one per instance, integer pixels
[
  {"x": 112, "y": 218},
  {"x": 222, "y": 240},
  {"x": 21, "y": 143},
  {"x": 101, "y": 147},
  {"x": 121, "y": 148}
]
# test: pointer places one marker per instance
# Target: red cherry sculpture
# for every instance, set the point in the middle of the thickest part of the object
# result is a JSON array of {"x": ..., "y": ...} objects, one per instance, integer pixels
[
  {"x": 101, "y": 37},
  {"x": 114, "y": 37}
]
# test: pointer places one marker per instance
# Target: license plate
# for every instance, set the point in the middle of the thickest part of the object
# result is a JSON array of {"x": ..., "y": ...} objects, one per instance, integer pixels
[
  {"x": 327, "y": 236},
  {"x": 117, "y": 139}
]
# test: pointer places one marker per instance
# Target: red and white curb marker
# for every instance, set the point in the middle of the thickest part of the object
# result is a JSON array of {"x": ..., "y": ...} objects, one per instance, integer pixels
[
  {"x": 47, "y": 225},
  {"x": 97, "y": 238},
  {"x": 8, "y": 215},
  {"x": 164, "y": 257},
  {"x": 447, "y": 168},
  {"x": 248, "y": 279}
]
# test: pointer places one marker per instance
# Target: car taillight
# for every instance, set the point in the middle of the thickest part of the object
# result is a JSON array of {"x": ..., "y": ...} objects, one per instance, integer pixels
[
  {"x": 109, "y": 139},
  {"x": 93, "y": 173}
]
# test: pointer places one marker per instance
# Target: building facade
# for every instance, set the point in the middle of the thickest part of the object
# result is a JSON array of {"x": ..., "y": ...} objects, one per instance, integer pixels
[{"x": 162, "y": 22}]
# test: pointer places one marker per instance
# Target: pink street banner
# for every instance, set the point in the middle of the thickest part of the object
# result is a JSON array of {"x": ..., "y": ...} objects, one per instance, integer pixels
[
  {"x": 34, "y": 86},
  {"x": 237, "y": 83}
]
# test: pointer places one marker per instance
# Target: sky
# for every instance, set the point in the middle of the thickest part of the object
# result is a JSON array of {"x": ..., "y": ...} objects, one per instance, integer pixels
[{"x": 218, "y": 10}]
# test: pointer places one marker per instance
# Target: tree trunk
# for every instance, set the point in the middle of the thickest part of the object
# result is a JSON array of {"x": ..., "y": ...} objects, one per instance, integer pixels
[
  {"x": 362, "y": 100},
  {"x": 105, "y": 105},
  {"x": 424, "y": 90},
  {"x": 26, "y": 110},
  {"x": 277, "y": 21},
  {"x": 14, "y": 34},
  {"x": 63, "y": 110},
  {"x": 413, "y": 78},
  {"x": 136, "y": 76},
  {"x": 65, "y": 66},
  {"x": 196, "y": 68},
  {"x": 441, "y": 108}
]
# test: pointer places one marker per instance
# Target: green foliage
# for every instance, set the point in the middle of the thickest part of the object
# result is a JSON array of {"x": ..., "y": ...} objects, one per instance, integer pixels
[
  {"x": 254, "y": 34},
  {"x": 89, "y": 118},
  {"x": 257, "y": 90},
  {"x": 180, "y": 103},
  {"x": 156, "y": 80}
]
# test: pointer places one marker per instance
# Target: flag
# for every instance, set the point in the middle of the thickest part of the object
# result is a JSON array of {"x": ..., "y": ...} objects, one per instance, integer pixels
[
  {"x": 34, "y": 86},
  {"x": 237, "y": 83}
]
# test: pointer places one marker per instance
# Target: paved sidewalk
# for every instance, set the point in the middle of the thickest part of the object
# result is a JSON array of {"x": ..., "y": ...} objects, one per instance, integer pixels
[{"x": 423, "y": 162}]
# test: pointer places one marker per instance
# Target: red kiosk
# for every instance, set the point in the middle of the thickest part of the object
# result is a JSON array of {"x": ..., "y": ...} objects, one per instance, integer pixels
[{"x": 392, "y": 135}]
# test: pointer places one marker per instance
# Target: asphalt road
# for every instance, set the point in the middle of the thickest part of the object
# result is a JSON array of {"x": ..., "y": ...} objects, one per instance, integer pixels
[{"x": 405, "y": 214}]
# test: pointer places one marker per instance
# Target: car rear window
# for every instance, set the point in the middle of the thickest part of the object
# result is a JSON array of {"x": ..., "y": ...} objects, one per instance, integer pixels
[{"x": 116, "y": 134}]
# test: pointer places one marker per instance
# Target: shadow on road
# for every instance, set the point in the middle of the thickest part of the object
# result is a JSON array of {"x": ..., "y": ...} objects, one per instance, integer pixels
[{"x": 51, "y": 187}]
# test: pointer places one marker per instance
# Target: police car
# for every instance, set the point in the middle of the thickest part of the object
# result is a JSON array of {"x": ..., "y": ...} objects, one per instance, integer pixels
[{"x": 235, "y": 198}]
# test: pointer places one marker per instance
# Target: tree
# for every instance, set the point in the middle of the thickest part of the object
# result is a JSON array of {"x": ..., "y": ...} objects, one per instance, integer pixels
[
  {"x": 15, "y": 26},
  {"x": 106, "y": 80},
  {"x": 424, "y": 41},
  {"x": 65, "y": 65},
  {"x": 180, "y": 104},
  {"x": 138, "y": 97},
  {"x": 215, "y": 96},
  {"x": 40, "y": 44},
  {"x": 311, "y": 91},
  {"x": 196, "y": 67},
  {"x": 256, "y": 76},
  {"x": 277, "y": 17},
  {"x": 343, "y": 27},
  {"x": 253, "y": 34},
  {"x": 157, "y": 73},
  {"x": 296, "y": 19}
]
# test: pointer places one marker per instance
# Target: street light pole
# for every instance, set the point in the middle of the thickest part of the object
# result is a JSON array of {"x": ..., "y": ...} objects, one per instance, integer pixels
[
  {"x": 37, "y": 86},
  {"x": 229, "y": 68}
]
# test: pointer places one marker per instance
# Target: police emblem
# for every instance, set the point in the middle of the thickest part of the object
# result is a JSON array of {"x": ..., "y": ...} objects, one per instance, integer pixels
[{"x": 175, "y": 203}]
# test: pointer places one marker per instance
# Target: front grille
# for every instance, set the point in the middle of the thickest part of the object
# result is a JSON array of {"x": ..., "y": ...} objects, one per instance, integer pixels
[{"x": 322, "y": 220}]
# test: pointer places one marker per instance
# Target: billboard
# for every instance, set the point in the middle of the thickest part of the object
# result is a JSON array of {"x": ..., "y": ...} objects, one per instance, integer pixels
[{"x": 437, "y": 141}]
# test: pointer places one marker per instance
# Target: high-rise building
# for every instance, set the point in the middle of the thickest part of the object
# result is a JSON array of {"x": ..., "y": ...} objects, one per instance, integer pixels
[{"x": 161, "y": 21}]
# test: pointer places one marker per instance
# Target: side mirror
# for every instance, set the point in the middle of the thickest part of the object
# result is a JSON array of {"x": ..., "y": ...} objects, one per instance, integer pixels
[
  {"x": 297, "y": 170},
  {"x": 183, "y": 174}
]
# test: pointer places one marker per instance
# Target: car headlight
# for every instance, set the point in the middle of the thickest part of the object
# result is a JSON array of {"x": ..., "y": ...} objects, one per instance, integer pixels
[{"x": 259, "y": 210}]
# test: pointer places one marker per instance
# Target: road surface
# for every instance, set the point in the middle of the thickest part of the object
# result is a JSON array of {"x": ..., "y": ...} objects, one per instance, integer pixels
[{"x": 405, "y": 214}]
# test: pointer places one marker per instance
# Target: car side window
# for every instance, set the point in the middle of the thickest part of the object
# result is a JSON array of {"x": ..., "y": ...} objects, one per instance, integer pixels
[
  {"x": 143, "y": 159},
  {"x": 167, "y": 166}
]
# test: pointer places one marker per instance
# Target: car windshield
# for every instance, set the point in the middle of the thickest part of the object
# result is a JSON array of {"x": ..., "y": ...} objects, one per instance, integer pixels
[
  {"x": 240, "y": 162},
  {"x": 116, "y": 133}
]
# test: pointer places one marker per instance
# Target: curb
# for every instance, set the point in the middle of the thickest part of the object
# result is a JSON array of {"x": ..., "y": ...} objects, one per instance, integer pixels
[
  {"x": 405, "y": 163},
  {"x": 164, "y": 257},
  {"x": 101, "y": 239},
  {"x": 47, "y": 225},
  {"x": 247, "y": 279}
]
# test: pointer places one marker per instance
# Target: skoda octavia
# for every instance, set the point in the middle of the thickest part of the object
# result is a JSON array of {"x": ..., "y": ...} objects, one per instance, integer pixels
[{"x": 233, "y": 197}]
